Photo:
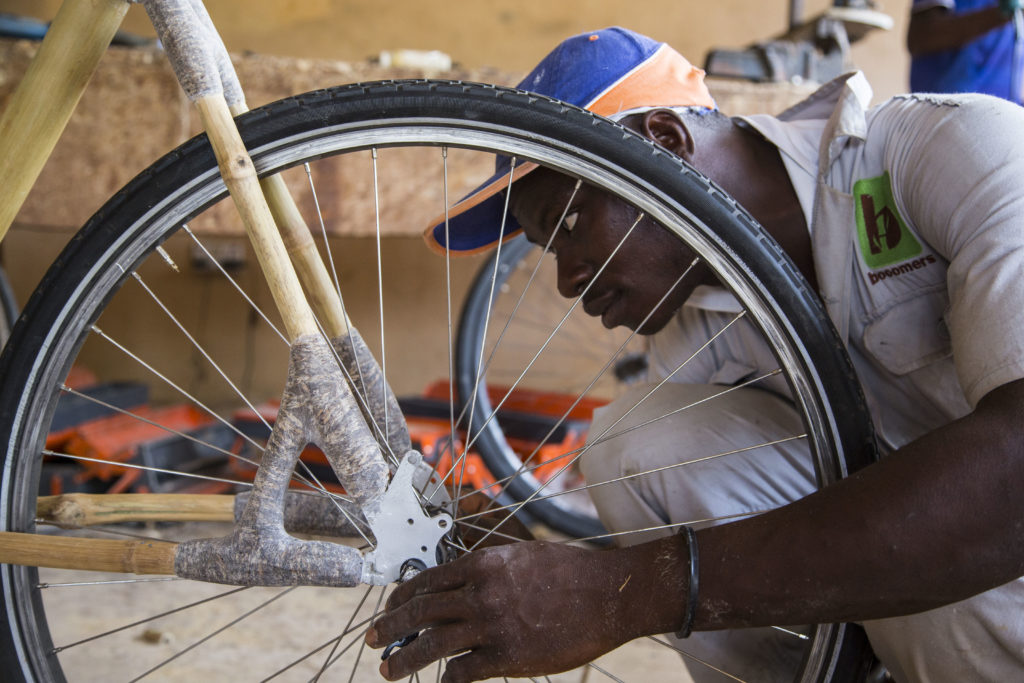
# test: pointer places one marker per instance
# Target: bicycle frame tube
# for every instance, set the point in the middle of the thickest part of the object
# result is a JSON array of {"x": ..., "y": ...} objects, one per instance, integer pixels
[{"x": 43, "y": 102}]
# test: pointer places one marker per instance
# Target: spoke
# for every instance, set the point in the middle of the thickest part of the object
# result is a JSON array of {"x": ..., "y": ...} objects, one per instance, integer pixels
[
  {"x": 107, "y": 583},
  {"x": 316, "y": 486},
  {"x": 344, "y": 631},
  {"x": 356, "y": 628},
  {"x": 323, "y": 232},
  {"x": 455, "y": 543},
  {"x": 598, "y": 669},
  {"x": 209, "y": 411},
  {"x": 334, "y": 641},
  {"x": 361, "y": 399},
  {"x": 99, "y": 530},
  {"x": 151, "y": 423},
  {"x": 234, "y": 284},
  {"x": 149, "y": 619},
  {"x": 668, "y": 526},
  {"x": 380, "y": 292},
  {"x": 694, "y": 658},
  {"x": 199, "y": 347},
  {"x": 569, "y": 454},
  {"x": 645, "y": 473},
  {"x": 476, "y": 527},
  {"x": 214, "y": 633},
  {"x": 789, "y": 632},
  {"x": 481, "y": 367},
  {"x": 483, "y": 339},
  {"x": 451, "y": 347},
  {"x": 362, "y": 641},
  {"x": 133, "y": 466},
  {"x": 344, "y": 313}
]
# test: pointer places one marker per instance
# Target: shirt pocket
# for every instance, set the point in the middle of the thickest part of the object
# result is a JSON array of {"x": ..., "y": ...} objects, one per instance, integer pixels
[{"x": 911, "y": 334}]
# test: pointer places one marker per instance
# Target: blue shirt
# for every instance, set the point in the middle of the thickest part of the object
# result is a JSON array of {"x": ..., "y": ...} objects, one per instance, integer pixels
[{"x": 984, "y": 65}]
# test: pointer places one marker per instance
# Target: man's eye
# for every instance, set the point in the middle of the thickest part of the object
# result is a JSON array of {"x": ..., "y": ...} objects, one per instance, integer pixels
[{"x": 569, "y": 222}]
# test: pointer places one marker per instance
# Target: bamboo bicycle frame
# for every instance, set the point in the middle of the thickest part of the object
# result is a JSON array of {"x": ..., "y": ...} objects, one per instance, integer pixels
[{"x": 29, "y": 129}]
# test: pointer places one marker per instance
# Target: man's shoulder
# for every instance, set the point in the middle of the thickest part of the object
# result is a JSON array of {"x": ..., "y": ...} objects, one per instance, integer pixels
[{"x": 974, "y": 112}]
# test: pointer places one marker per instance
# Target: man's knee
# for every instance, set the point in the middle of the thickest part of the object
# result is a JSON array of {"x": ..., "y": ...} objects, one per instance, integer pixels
[{"x": 692, "y": 453}]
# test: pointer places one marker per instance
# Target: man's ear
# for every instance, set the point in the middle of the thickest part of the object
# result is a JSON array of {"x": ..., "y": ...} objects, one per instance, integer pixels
[{"x": 668, "y": 129}]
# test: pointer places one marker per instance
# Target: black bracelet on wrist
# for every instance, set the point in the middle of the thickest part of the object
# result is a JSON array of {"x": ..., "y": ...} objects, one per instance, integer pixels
[{"x": 691, "y": 597}]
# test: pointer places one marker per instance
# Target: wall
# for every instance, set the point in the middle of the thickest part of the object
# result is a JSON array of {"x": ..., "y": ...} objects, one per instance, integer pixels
[{"x": 511, "y": 35}]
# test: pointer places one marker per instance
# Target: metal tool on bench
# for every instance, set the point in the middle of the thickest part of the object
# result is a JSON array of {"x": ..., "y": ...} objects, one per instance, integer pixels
[{"x": 816, "y": 49}]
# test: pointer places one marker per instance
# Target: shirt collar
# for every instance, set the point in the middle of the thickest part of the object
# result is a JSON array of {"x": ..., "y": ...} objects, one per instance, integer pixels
[{"x": 834, "y": 112}]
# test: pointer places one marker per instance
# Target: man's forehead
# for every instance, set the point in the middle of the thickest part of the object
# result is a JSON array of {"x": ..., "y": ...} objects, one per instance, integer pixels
[{"x": 541, "y": 187}]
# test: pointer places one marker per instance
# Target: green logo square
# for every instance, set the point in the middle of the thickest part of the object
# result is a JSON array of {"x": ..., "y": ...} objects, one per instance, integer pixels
[{"x": 883, "y": 236}]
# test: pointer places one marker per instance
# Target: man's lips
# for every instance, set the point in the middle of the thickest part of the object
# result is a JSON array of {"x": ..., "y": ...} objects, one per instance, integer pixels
[{"x": 598, "y": 305}]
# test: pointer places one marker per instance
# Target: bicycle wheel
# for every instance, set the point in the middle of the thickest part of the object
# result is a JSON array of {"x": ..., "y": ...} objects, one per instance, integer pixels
[{"x": 64, "y": 625}]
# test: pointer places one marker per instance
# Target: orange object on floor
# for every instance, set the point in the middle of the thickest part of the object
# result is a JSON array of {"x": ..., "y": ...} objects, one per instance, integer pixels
[{"x": 116, "y": 439}]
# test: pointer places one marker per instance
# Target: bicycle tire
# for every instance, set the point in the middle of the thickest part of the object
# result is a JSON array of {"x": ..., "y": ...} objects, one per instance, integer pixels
[
  {"x": 8, "y": 307},
  {"x": 90, "y": 272}
]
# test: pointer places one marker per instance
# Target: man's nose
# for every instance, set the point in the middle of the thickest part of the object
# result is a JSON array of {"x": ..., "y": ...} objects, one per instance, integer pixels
[{"x": 573, "y": 276}]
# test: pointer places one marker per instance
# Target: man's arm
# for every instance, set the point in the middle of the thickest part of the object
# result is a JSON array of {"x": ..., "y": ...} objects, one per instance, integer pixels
[
  {"x": 937, "y": 29},
  {"x": 933, "y": 523}
]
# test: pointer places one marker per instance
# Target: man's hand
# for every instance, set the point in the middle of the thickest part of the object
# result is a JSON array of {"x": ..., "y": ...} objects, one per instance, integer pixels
[{"x": 530, "y": 609}]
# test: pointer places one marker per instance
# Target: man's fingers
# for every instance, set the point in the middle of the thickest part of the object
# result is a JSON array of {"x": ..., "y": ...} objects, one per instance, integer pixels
[
  {"x": 414, "y": 615},
  {"x": 430, "y": 646},
  {"x": 446, "y": 577},
  {"x": 472, "y": 666}
]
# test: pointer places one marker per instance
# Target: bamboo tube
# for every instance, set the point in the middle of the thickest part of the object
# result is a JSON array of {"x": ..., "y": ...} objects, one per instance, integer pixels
[
  {"x": 90, "y": 554},
  {"x": 240, "y": 177},
  {"x": 82, "y": 509},
  {"x": 39, "y": 109},
  {"x": 298, "y": 240}
]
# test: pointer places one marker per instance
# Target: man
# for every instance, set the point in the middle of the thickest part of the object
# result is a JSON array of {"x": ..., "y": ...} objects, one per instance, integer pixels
[
  {"x": 965, "y": 46},
  {"x": 907, "y": 219}
]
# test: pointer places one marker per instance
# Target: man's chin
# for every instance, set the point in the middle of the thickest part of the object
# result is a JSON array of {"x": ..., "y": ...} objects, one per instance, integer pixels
[{"x": 653, "y": 325}]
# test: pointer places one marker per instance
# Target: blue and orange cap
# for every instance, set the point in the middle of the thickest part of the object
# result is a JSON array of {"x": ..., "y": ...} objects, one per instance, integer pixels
[{"x": 613, "y": 72}]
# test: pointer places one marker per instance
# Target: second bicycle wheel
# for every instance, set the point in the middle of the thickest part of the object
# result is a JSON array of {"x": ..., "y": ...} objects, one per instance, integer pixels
[
  {"x": 505, "y": 319},
  {"x": 172, "y": 404}
]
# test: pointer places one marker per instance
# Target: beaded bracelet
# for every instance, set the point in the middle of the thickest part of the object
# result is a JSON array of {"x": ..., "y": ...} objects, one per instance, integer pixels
[{"x": 691, "y": 598}]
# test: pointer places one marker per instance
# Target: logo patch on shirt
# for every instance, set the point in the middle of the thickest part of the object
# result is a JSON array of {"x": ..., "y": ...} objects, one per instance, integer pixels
[{"x": 883, "y": 236}]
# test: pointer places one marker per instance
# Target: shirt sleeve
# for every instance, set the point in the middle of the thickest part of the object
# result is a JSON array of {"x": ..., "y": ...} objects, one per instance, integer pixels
[{"x": 957, "y": 167}]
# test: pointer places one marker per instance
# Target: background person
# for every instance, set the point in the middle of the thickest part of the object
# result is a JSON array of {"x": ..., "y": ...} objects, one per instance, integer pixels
[{"x": 965, "y": 46}]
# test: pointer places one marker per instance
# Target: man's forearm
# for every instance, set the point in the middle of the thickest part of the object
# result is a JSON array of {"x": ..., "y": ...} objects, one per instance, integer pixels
[{"x": 939, "y": 29}]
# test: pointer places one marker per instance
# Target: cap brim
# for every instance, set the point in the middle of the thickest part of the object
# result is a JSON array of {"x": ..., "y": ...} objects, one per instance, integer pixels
[{"x": 477, "y": 222}]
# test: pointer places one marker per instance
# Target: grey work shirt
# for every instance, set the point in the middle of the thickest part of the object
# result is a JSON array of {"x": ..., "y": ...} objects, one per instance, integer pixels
[{"x": 915, "y": 210}]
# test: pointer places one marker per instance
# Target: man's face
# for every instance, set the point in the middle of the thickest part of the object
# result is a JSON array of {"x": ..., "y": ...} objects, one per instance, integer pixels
[{"x": 645, "y": 267}]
